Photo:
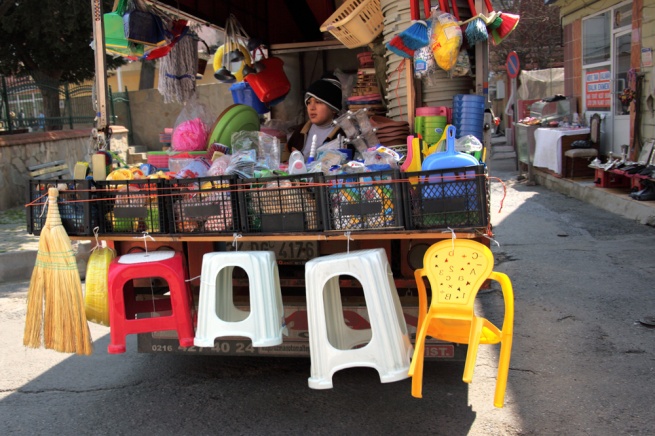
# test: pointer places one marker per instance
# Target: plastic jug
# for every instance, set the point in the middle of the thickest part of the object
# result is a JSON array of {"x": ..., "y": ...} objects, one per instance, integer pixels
[{"x": 297, "y": 163}]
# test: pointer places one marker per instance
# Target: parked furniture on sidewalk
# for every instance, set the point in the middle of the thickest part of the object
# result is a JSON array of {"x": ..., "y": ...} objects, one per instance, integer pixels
[
  {"x": 577, "y": 159},
  {"x": 552, "y": 143}
]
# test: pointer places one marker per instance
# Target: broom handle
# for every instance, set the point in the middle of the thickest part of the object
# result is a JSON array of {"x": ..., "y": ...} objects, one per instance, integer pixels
[
  {"x": 413, "y": 8},
  {"x": 490, "y": 8},
  {"x": 455, "y": 9},
  {"x": 443, "y": 5},
  {"x": 427, "y": 6},
  {"x": 472, "y": 8}
]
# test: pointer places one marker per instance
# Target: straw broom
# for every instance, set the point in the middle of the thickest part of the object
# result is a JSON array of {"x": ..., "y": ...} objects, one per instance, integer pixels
[{"x": 55, "y": 305}]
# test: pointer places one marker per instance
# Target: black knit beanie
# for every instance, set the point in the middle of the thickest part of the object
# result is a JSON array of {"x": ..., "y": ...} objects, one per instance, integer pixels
[{"x": 328, "y": 90}]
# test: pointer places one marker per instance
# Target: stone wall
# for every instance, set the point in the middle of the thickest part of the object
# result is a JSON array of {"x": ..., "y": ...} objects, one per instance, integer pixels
[{"x": 17, "y": 152}]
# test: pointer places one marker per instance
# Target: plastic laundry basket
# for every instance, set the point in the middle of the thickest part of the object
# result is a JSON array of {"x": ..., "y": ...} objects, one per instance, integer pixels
[{"x": 356, "y": 22}]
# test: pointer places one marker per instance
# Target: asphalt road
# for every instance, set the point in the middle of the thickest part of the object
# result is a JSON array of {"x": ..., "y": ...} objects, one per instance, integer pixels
[{"x": 582, "y": 363}]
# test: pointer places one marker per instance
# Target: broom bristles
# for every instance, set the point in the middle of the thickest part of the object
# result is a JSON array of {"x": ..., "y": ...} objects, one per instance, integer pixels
[
  {"x": 509, "y": 23},
  {"x": 34, "y": 317},
  {"x": 476, "y": 31},
  {"x": 495, "y": 23},
  {"x": 56, "y": 279},
  {"x": 415, "y": 36},
  {"x": 507, "y": 26},
  {"x": 397, "y": 46}
]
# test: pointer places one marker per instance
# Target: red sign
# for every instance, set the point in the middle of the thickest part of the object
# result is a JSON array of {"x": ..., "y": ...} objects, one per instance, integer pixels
[
  {"x": 513, "y": 65},
  {"x": 598, "y": 89}
]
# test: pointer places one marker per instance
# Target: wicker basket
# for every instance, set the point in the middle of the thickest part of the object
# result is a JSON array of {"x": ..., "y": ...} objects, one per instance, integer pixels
[{"x": 356, "y": 22}]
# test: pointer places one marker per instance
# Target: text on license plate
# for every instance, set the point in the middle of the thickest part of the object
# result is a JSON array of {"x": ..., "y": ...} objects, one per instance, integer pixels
[{"x": 285, "y": 250}]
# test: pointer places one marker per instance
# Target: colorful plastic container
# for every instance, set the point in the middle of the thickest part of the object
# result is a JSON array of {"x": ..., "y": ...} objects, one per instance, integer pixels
[{"x": 242, "y": 93}]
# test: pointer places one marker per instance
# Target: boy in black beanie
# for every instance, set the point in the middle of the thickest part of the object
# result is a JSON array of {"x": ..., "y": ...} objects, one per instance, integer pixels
[{"x": 323, "y": 102}]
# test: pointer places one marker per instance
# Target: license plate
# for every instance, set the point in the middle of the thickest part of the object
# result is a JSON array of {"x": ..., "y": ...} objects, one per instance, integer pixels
[{"x": 285, "y": 251}]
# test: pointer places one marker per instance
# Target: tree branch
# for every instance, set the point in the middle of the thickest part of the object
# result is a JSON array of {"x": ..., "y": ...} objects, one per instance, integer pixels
[{"x": 4, "y": 7}]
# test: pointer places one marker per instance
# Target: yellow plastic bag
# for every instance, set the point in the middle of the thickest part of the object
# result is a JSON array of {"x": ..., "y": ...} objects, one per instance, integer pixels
[
  {"x": 446, "y": 41},
  {"x": 96, "y": 298}
]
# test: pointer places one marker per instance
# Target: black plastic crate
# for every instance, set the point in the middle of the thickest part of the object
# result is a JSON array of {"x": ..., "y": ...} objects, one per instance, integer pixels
[
  {"x": 206, "y": 205},
  {"x": 78, "y": 211},
  {"x": 132, "y": 206},
  {"x": 283, "y": 204},
  {"x": 364, "y": 201},
  {"x": 455, "y": 198}
]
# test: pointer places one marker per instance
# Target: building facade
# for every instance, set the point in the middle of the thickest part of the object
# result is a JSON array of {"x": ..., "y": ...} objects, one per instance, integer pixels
[{"x": 609, "y": 67}]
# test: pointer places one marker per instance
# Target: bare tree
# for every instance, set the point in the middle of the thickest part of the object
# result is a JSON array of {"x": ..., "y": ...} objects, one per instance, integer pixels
[{"x": 537, "y": 39}]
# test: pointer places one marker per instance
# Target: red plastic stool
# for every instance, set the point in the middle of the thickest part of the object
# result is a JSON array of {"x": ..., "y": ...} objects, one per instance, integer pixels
[{"x": 123, "y": 305}]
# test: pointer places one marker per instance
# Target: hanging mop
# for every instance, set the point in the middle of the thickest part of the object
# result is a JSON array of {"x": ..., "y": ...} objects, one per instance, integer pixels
[{"x": 177, "y": 71}]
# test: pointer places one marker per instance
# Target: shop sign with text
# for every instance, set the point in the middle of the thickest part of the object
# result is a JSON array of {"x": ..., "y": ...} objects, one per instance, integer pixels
[{"x": 598, "y": 89}]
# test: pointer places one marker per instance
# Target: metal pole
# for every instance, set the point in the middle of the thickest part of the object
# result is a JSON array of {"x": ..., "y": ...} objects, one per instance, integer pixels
[
  {"x": 482, "y": 86},
  {"x": 102, "y": 123},
  {"x": 5, "y": 99},
  {"x": 69, "y": 105},
  {"x": 111, "y": 106}
]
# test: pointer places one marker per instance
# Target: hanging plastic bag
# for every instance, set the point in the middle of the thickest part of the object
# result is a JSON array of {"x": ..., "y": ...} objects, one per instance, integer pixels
[
  {"x": 144, "y": 28},
  {"x": 462, "y": 66},
  {"x": 116, "y": 43},
  {"x": 190, "y": 132},
  {"x": 468, "y": 144},
  {"x": 446, "y": 41},
  {"x": 424, "y": 63}
]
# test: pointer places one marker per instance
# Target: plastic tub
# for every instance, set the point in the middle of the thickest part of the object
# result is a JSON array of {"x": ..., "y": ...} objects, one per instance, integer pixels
[
  {"x": 432, "y": 111},
  {"x": 470, "y": 123},
  {"x": 242, "y": 93},
  {"x": 468, "y": 98}
]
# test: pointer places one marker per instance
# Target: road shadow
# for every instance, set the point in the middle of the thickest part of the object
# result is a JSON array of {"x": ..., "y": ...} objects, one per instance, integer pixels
[{"x": 135, "y": 393}]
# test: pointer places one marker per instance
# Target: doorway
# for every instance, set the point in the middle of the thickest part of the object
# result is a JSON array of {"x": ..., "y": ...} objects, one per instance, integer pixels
[{"x": 621, "y": 119}]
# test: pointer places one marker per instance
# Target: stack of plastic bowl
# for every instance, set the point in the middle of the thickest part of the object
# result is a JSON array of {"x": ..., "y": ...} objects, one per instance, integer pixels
[
  {"x": 468, "y": 115},
  {"x": 432, "y": 128},
  {"x": 430, "y": 122}
]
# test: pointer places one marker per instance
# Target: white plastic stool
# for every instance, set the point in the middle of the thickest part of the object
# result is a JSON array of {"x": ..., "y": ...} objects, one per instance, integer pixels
[
  {"x": 217, "y": 314},
  {"x": 330, "y": 341}
]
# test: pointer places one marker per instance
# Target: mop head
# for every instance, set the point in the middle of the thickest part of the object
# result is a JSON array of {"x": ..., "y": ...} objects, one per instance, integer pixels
[
  {"x": 416, "y": 35},
  {"x": 177, "y": 71},
  {"x": 476, "y": 31}
]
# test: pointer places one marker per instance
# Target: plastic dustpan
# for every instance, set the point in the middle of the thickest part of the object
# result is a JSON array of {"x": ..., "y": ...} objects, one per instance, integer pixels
[{"x": 450, "y": 158}]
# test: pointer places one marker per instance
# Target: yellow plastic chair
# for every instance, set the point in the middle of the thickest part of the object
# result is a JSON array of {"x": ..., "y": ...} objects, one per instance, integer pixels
[{"x": 456, "y": 269}]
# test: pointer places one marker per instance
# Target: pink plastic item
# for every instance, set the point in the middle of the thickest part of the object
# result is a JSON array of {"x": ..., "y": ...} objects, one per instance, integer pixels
[
  {"x": 190, "y": 136},
  {"x": 429, "y": 111}
]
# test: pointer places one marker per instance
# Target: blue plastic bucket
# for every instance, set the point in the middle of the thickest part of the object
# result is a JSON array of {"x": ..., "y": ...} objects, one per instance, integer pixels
[{"x": 242, "y": 93}]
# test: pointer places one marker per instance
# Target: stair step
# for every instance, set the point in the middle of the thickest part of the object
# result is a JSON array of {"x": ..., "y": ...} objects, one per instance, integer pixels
[
  {"x": 503, "y": 155},
  {"x": 503, "y": 148},
  {"x": 137, "y": 158},
  {"x": 138, "y": 149}
]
